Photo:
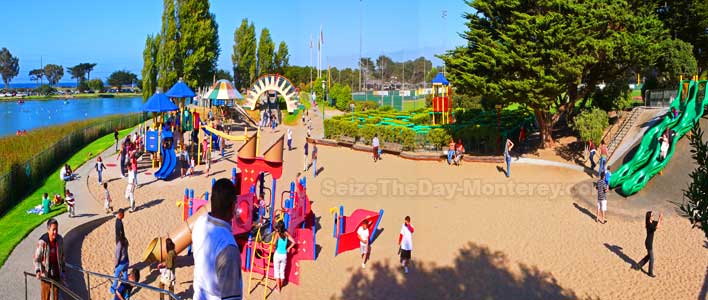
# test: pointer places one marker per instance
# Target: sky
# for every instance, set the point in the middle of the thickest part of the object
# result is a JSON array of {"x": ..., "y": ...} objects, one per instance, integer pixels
[{"x": 112, "y": 34}]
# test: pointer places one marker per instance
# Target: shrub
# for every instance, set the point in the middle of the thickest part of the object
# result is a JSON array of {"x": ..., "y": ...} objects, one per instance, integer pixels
[
  {"x": 438, "y": 137},
  {"x": 366, "y": 105},
  {"x": 591, "y": 124},
  {"x": 45, "y": 89},
  {"x": 420, "y": 118},
  {"x": 96, "y": 85}
]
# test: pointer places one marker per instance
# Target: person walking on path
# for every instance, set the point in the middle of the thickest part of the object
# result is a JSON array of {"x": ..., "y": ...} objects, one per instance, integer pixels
[
  {"x": 307, "y": 146},
  {"x": 405, "y": 243},
  {"x": 375, "y": 145},
  {"x": 122, "y": 155},
  {"x": 119, "y": 229},
  {"x": 314, "y": 158},
  {"x": 363, "y": 234},
  {"x": 651, "y": 227},
  {"x": 49, "y": 260},
  {"x": 115, "y": 137},
  {"x": 217, "y": 259},
  {"x": 604, "y": 155},
  {"x": 507, "y": 156},
  {"x": 120, "y": 263},
  {"x": 592, "y": 150},
  {"x": 284, "y": 243},
  {"x": 99, "y": 169},
  {"x": 290, "y": 139},
  {"x": 602, "y": 190},
  {"x": 130, "y": 191}
]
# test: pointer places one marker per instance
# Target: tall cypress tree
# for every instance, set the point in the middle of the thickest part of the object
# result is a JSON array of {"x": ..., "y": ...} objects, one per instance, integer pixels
[
  {"x": 168, "y": 54},
  {"x": 150, "y": 68},
  {"x": 282, "y": 58},
  {"x": 198, "y": 42},
  {"x": 266, "y": 49},
  {"x": 244, "y": 55}
]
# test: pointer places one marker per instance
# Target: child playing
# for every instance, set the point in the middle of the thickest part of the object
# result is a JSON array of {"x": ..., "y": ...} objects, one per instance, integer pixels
[
  {"x": 167, "y": 269},
  {"x": 125, "y": 289},
  {"x": 207, "y": 161},
  {"x": 70, "y": 201},
  {"x": 191, "y": 167},
  {"x": 130, "y": 191},
  {"x": 99, "y": 169},
  {"x": 107, "y": 198},
  {"x": 46, "y": 203}
]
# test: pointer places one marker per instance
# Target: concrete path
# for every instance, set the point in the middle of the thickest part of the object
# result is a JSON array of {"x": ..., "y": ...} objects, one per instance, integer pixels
[{"x": 88, "y": 211}]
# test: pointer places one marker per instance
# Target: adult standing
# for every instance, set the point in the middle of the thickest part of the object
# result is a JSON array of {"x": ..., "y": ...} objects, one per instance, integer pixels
[
  {"x": 651, "y": 227},
  {"x": 363, "y": 233},
  {"x": 602, "y": 190},
  {"x": 115, "y": 137},
  {"x": 375, "y": 145},
  {"x": 284, "y": 243},
  {"x": 217, "y": 260},
  {"x": 123, "y": 153},
  {"x": 49, "y": 259},
  {"x": 120, "y": 263},
  {"x": 290, "y": 139},
  {"x": 405, "y": 243},
  {"x": 508, "y": 145},
  {"x": 307, "y": 146},
  {"x": 604, "y": 154},
  {"x": 591, "y": 148},
  {"x": 314, "y": 158},
  {"x": 119, "y": 229}
]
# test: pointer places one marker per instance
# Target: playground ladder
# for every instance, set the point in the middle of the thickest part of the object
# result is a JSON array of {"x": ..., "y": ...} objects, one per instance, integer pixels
[
  {"x": 624, "y": 129},
  {"x": 265, "y": 248}
]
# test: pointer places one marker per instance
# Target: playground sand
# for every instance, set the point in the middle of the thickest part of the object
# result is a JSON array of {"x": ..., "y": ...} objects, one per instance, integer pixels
[{"x": 478, "y": 234}]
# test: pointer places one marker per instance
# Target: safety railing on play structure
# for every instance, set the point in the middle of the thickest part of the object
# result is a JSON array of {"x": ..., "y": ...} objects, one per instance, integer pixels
[{"x": 87, "y": 275}]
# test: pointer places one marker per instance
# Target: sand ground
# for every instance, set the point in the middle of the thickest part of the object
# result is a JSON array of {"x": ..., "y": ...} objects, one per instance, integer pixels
[{"x": 478, "y": 234}]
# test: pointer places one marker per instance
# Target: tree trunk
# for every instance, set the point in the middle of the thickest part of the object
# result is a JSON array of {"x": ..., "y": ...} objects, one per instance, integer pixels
[{"x": 545, "y": 128}]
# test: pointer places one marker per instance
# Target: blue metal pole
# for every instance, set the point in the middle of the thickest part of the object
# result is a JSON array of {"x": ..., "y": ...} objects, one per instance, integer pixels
[
  {"x": 272, "y": 204},
  {"x": 213, "y": 181},
  {"x": 249, "y": 245},
  {"x": 376, "y": 227},
  {"x": 233, "y": 176},
  {"x": 206, "y": 196},
  {"x": 334, "y": 228},
  {"x": 314, "y": 238}
]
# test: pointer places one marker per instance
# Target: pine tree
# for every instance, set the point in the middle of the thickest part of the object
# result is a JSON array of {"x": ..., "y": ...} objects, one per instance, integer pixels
[
  {"x": 244, "y": 54},
  {"x": 168, "y": 55},
  {"x": 150, "y": 68},
  {"x": 282, "y": 58},
  {"x": 266, "y": 49},
  {"x": 9, "y": 66},
  {"x": 198, "y": 42}
]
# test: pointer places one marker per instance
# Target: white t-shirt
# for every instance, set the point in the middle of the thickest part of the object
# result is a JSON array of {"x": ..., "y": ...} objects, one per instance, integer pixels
[
  {"x": 363, "y": 235},
  {"x": 375, "y": 142},
  {"x": 406, "y": 238},
  {"x": 290, "y": 134},
  {"x": 62, "y": 173}
]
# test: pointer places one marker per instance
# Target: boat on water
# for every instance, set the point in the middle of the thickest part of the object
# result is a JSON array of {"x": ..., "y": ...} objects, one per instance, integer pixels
[{"x": 20, "y": 101}]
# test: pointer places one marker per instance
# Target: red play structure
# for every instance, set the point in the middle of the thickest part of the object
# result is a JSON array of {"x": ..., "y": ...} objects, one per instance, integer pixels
[
  {"x": 345, "y": 228},
  {"x": 442, "y": 100}
]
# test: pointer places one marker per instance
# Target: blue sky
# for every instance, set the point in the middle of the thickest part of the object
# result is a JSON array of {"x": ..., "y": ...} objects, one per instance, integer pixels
[{"x": 112, "y": 34}]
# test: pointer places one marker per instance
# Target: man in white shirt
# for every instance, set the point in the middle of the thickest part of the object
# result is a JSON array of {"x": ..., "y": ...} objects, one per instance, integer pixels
[
  {"x": 290, "y": 139},
  {"x": 363, "y": 234},
  {"x": 405, "y": 243},
  {"x": 217, "y": 260}
]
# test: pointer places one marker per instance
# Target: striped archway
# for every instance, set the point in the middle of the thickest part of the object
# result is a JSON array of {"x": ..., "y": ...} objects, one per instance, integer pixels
[{"x": 272, "y": 82}]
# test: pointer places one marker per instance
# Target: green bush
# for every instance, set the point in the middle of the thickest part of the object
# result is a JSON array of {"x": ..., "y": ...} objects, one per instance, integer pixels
[
  {"x": 96, "y": 85},
  {"x": 420, "y": 119},
  {"x": 45, "y": 89},
  {"x": 438, "y": 137},
  {"x": 366, "y": 105},
  {"x": 591, "y": 124}
]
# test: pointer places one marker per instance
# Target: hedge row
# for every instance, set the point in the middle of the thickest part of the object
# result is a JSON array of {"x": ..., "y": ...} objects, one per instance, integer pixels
[{"x": 335, "y": 129}]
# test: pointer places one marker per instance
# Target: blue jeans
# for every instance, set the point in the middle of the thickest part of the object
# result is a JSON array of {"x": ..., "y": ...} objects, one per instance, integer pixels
[
  {"x": 450, "y": 155},
  {"x": 100, "y": 176},
  {"x": 592, "y": 159},
  {"x": 120, "y": 268},
  {"x": 508, "y": 166},
  {"x": 602, "y": 166},
  {"x": 290, "y": 144},
  {"x": 314, "y": 167}
]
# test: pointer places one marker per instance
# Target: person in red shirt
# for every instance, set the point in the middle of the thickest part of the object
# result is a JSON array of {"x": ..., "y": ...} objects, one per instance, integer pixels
[
  {"x": 459, "y": 150},
  {"x": 49, "y": 260}
]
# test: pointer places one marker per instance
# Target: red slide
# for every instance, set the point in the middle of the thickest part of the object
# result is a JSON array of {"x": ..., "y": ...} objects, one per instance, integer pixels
[{"x": 348, "y": 239}]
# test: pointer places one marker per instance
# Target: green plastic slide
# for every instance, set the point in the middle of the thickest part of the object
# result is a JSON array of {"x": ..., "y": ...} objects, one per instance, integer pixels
[
  {"x": 649, "y": 141},
  {"x": 689, "y": 118}
]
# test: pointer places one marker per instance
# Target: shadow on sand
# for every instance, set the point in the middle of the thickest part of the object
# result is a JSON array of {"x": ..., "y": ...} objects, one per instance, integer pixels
[{"x": 477, "y": 273}]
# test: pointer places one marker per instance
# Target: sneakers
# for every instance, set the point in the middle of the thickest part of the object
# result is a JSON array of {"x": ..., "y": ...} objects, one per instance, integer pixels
[
  {"x": 363, "y": 266},
  {"x": 405, "y": 270}
]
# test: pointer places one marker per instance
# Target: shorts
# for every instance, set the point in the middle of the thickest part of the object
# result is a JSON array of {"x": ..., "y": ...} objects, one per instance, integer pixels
[
  {"x": 405, "y": 254},
  {"x": 363, "y": 248},
  {"x": 602, "y": 205},
  {"x": 279, "y": 263}
]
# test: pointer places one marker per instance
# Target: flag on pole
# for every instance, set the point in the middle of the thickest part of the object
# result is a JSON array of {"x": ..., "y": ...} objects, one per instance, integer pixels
[{"x": 321, "y": 36}]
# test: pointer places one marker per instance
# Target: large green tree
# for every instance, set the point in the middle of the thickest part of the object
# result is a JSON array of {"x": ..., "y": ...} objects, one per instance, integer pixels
[
  {"x": 77, "y": 72},
  {"x": 9, "y": 66},
  {"x": 121, "y": 78},
  {"x": 150, "y": 68},
  {"x": 169, "y": 58},
  {"x": 198, "y": 42},
  {"x": 223, "y": 74},
  {"x": 244, "y": 55},
  {"x": 687, "y": 20},
  {"x": 282, "y": 58},
  {"x": 54, "y": 73},
  {"x": 266, "y": 51},
  {"x": 548, "y": 54},
  {"x": 36, "y": 75}
]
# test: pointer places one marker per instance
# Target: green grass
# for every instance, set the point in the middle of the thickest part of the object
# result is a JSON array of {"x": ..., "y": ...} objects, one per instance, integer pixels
[
  {"x": 16, "y": 224},
  {"x": 409, "y": 105},
  {"x": 636, "y": 93}
]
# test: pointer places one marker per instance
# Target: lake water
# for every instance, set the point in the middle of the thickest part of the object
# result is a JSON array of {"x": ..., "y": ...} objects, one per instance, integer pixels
[{"x": 39, "y": 113}]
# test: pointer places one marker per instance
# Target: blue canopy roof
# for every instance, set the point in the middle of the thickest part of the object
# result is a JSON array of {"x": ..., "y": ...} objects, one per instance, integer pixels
[
  {"x": 159, "y": 102},
  {"x": 440, "y": 78},
  {"x": 180, "y": 90}
]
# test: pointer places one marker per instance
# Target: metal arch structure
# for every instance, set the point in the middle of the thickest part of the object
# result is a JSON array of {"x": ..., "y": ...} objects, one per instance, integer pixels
[{"x": 272, "y": 82}]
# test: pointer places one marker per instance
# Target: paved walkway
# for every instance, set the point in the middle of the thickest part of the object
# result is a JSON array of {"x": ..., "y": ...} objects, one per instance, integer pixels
[{"x": 88, "y": 211}]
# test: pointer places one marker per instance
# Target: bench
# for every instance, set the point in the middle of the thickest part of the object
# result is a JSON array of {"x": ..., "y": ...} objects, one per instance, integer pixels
[
  {"x": 394, "y": 148},
  {"x": 347, "y": 140}
]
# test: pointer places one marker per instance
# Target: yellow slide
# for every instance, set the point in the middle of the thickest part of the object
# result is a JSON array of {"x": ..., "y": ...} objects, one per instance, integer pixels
[{"x": 239, "y": 138}]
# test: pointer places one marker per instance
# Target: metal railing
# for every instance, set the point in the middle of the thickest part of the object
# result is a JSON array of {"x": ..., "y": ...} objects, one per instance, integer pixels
[
  {"x": 53, "y": 284},
  {"x": 88, "y": 274}
]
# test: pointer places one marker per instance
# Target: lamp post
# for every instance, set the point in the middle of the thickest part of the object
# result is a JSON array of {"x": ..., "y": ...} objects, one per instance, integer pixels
[{"x": 324, "y": 98}]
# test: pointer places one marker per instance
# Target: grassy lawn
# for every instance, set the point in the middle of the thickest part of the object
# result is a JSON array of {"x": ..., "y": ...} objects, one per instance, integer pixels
[
  {"x": 16, "y": 224},
  {"x": 409, "y": 105}
]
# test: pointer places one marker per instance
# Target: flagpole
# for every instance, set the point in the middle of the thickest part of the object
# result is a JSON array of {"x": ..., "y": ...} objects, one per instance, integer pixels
[{"x": 311, "y": 66}]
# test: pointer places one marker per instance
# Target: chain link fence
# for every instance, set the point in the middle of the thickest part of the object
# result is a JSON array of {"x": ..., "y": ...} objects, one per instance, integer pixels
[{"x": 26, "y": 176}]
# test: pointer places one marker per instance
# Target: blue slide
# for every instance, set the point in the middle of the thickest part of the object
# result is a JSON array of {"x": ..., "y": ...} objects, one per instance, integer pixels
[{"x": 169, "y": 159}]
